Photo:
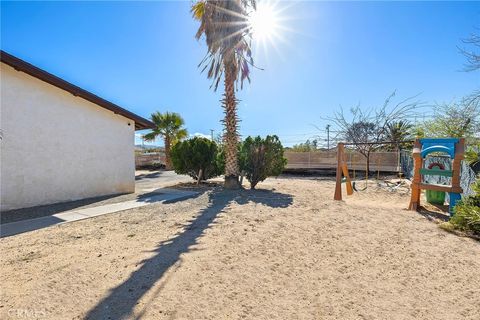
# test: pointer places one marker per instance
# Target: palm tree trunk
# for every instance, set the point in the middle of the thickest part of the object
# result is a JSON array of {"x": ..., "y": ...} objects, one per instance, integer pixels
[
  {"x": 168, "y": 161},
  {"x": 231, "y": 134}
]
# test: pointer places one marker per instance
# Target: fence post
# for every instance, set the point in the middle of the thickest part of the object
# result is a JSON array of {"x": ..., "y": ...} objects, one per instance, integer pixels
[{"x": 338, "y": 183}]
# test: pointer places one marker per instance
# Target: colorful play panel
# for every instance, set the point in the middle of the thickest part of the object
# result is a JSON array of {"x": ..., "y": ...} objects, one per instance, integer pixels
[{"x": 454, "y": 148}]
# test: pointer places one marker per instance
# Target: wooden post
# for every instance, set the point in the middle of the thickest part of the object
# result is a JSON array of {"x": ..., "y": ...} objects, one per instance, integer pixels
[
  {"x": 348, "y": 182},
  {"x": 342, "y": 170},
  {"x": 338, "y": 184},
  {"x": 418, "y": 163},
  {"x": 456, "y": 164}
]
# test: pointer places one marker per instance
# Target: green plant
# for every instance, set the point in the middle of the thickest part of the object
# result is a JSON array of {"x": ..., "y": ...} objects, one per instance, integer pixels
[
  {"x": 399, "y": 132},
  {"x": 419, "y": 131},
  {"x": 261, "y": 158},
  {"x": 307, "y": 146},
  {"x": 472, "y": 156},
  {"x": 225, "y": 27},
  {"x": 168, "y": 125},
  {"x": 197, "y": 157},
  {"x": 467, "y": 211},
  {"x": 456, "y": 120}
]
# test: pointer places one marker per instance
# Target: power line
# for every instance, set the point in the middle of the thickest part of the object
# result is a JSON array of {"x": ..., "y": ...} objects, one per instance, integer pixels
[{"x": 328, "y": 136}]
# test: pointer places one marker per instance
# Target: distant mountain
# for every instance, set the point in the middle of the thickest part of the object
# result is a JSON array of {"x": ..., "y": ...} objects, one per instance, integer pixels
[{"x": 146, "y": 147}]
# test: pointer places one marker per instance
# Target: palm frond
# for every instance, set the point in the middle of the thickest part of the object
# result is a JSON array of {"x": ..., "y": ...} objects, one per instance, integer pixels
[
  {"x": 198, "y": 10},
  {"x": 224, "y": 23},
  {"x": 167, "y": 124},
  {"x": 151, "y": 136}
]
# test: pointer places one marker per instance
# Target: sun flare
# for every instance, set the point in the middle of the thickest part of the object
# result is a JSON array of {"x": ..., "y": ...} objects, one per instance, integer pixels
[{"x": 264, "y": 22}]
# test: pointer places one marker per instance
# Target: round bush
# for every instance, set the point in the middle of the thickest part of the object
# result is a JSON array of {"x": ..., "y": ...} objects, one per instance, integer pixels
[
  {"x": 197, "y": 157},
  {"x": 261, "y": 158}
]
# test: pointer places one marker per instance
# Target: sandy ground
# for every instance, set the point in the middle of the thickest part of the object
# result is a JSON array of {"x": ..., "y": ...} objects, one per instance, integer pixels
[{"x": 287, "y": 251}]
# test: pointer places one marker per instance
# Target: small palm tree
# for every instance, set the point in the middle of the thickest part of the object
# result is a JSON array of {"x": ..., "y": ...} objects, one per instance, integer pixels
[
  {"x": 399, "y": 132},
  {"x": 225, "y": 26},
  {"x": 168, "y": 125}
]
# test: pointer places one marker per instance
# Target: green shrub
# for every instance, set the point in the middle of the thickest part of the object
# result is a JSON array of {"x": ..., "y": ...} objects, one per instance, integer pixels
[
  {"x": 472, "y": 156},
  {"x": 467, "y": 211},
  {"x": 261, "y": 158},
  {"x": 197, "y": 157}
]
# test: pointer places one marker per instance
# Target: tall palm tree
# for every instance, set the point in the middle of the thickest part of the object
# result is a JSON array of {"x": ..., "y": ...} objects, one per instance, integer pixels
[
  {"x": 169, "y": 126},
  {"x": 225, "y": 26}
]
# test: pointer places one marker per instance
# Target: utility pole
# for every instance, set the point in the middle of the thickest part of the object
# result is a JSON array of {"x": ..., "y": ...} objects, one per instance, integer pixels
[
  {"x": 328, "y": 137},
  {"x": 211, "y": 132}
]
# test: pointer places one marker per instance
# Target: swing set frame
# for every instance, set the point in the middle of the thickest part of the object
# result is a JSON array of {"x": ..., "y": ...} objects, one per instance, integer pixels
[{"x": 342, "y": 168}]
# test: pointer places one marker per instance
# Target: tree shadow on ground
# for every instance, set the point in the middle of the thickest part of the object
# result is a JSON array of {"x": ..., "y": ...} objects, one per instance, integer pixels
[
  {"x": 160, "y": 195},
  {"x": 121, "y": 300},
  {"x": 150, "y": 175},
  {"x": 434, "y": 212}
]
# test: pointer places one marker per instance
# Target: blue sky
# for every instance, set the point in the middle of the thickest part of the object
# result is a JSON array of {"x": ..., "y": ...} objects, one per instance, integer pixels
[{"x": 143, "y": 56}]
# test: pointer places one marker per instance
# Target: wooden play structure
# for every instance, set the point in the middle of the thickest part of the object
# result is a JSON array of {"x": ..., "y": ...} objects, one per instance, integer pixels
[
  {"x": 343, "y": 170},
  {"x": 454, "y": 148}
]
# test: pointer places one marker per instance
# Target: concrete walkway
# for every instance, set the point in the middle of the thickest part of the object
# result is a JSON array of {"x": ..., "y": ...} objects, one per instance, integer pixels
[{"x": 160, "y": 195}]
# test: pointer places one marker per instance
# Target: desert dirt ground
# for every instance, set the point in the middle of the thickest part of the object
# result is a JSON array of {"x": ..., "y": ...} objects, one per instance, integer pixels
[{"x": 285, "y": 251}]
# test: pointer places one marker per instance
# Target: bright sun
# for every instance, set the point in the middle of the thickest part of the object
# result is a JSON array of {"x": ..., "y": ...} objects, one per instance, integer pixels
[{"x": 264, "y": 22}]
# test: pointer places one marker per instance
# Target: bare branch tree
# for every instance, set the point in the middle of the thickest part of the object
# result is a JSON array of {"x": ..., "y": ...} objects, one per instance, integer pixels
[
  {"x": 456, "y": 119},
  {"x": 372, "y": 125},
  {"x": 472, "y": 64},
  {"x": 473, "y": 57}
]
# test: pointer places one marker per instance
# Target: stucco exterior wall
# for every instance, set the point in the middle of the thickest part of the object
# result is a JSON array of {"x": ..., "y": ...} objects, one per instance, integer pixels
[{"x": 57, "y": 147}]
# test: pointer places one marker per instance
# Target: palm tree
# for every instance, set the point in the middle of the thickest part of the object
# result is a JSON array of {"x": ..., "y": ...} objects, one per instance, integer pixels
[
  {"x": 399, "y": 132},
  {"x": 168, "y": 125},
  {"x": 224, "y": 24}
]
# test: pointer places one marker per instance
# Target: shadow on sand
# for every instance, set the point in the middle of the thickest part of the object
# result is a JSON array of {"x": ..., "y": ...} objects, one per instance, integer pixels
[
  {"x": 434, "y": 212},
  {"x": 167, "y": 197},
  {"x": 121, "y": 300},
  {"x": 151, "y": 175}
]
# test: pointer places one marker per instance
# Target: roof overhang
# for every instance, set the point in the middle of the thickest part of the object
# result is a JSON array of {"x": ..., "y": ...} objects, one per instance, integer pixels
[{"x": 21, "y": 65}]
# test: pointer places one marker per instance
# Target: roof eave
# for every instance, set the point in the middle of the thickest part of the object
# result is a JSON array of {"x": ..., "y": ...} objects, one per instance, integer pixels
[
  {"x": 144, "y": 125},
  {"x": 21, "y": 65}
]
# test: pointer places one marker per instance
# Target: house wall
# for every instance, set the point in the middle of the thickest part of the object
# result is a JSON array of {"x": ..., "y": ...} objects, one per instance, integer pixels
[{"x": 57, "y": 147}]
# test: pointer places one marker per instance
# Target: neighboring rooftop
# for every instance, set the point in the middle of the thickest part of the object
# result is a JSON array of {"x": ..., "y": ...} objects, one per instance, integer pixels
[{"x": 21, "y": 65}]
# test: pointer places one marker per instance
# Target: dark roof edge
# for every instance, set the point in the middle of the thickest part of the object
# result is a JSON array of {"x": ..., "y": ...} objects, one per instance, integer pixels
[{"x": 21, "y": 65}]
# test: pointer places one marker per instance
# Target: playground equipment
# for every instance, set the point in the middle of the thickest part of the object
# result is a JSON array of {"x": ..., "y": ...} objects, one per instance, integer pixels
[
  {"x": 454, "y": 148},
  {"x": 343, "y": 175},
  {"x": 342, "y": 169},
  {"x": 354, "y": 185},
  {"x": 435, "y": 197}
]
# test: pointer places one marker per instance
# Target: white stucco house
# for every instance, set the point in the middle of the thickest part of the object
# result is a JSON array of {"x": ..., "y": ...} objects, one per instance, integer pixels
[{"x": 60, "y": 142}]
